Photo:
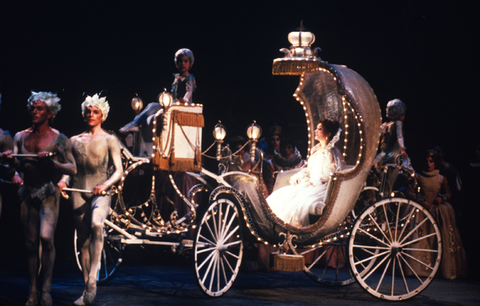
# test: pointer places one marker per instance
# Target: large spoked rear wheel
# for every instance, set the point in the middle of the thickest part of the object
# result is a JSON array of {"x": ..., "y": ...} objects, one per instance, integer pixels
[
  {"x": 403, "y": 241},
  {"x": 111, "y": 258},
  {"x": 218, "y": 247}
]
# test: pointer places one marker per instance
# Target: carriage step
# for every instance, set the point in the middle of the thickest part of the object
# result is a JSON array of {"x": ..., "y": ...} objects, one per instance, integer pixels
[{"x": 288, "y": 262}]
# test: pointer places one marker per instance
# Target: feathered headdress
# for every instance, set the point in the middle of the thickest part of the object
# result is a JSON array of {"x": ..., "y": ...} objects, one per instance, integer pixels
[
  {"x": 100, "y": 102},
  {"x": 49, "y": 98}
]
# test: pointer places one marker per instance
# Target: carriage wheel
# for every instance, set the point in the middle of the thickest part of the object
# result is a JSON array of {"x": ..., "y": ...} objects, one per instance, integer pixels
[
  {"x": 403, "y": 241},
  {"x": 111, "y": 258},
  {"x": 218, "y": 247}
]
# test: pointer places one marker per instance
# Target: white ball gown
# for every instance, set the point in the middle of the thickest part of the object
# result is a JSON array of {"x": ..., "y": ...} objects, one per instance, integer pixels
[{"x": 294, "y": 203}]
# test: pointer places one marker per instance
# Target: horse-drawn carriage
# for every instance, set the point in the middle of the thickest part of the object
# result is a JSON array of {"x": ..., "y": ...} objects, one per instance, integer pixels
[{"x": 378, "y": 241}]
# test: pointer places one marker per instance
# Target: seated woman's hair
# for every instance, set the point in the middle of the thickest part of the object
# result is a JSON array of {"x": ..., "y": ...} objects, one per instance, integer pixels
[{"x": 330, "y": 126}]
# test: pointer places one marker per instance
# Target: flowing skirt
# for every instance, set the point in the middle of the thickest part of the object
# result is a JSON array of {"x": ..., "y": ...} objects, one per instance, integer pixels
[
  {"x": 293, "y": 204},
  {"x": 454, "y": 259}
]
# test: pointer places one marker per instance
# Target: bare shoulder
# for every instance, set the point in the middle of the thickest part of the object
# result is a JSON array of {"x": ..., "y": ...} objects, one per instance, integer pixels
[
  {"x": 75, "y": 138},
  {"x": 83, "y": 137},
  {"x": 112, "y": 140},
  {"x": 61, "y": 139},
  {"x": 20, "y": 134}
]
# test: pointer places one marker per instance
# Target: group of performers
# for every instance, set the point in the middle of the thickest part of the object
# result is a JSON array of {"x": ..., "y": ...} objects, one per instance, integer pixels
[
  {"x": 45, "y": 160},
  {"x": 42, "y": 162}
]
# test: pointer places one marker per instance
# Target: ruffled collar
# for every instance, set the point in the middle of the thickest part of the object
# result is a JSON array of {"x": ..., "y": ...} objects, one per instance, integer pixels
[
  {"x": 179, "y": 78},
  {"x": 435, "y": 172}
]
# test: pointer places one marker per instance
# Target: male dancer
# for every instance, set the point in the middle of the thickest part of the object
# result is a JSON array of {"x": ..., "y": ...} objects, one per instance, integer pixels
[
  {"x": 95, "y": 151},
  {"x": 49, "y": 156}
]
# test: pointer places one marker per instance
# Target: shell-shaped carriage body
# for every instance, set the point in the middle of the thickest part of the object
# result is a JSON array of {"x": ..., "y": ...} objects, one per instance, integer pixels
[{"x": 334, "y": 91}]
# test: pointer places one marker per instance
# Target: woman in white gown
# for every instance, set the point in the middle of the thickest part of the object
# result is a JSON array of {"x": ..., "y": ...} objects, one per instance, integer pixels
[{"x": 306, "y": 193}]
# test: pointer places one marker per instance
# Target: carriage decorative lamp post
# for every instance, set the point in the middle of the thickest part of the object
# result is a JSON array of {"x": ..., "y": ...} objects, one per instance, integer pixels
[
  {"x": 219, "y": 133},
  {"x": 300, "y": 58},
  {"x": 165, "y": 99},
  {"x": 253, "y": 133},
  {"x": 137, "y": 104}
]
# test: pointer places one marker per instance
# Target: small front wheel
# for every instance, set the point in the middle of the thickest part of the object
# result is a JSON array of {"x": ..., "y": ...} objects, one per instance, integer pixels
[{"x": 218, "y": 247}]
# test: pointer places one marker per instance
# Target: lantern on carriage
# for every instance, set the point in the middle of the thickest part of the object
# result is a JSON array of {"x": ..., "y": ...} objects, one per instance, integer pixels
[
  {"x": 253, "y": 133},
  {"x": 219, "y": 134},
  {"x": 165, "y": 99},
  {"x": 299, "y": 58},
  {"x": 137, "y": 104}
]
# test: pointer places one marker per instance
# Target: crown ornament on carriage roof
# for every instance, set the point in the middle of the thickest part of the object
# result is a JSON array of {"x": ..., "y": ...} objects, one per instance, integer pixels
[{"x": 300, "y": 58}]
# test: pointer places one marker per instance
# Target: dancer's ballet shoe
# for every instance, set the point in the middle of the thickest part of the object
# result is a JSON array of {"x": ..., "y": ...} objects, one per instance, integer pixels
[
  {"x": 46, "y": 299},
  {"x": 32, "y": 299},
  {"x": 80, "y": 301},
  {"x": 31, "y": 302},
  {"x": 89, "y": 296}
]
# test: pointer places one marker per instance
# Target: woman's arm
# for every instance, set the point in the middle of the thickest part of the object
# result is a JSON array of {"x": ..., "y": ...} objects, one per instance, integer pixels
[
  {"x": 446, "y": 194},
  {"x": 300, "y": 176},
  {"x": 330, "y": 166}
]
